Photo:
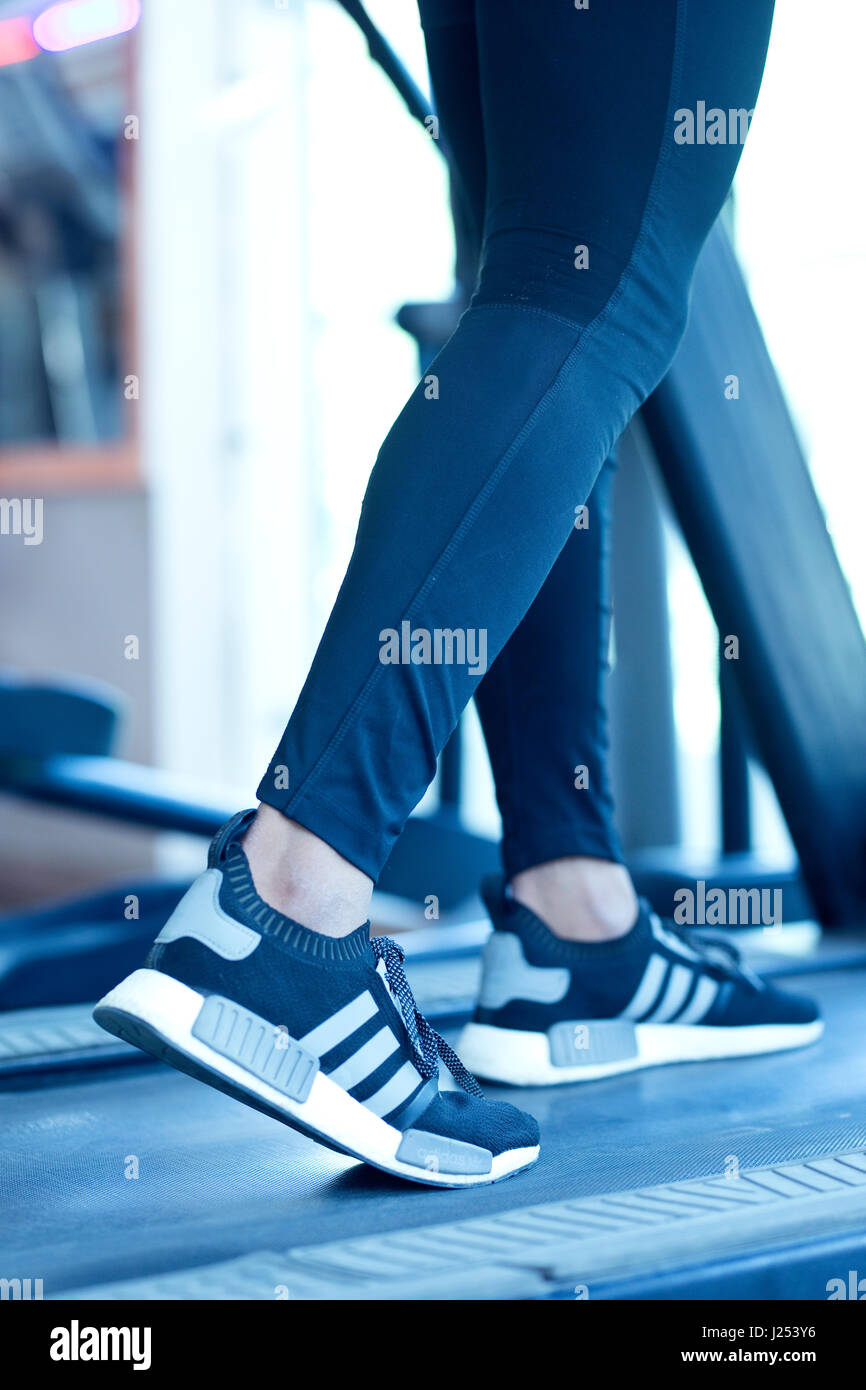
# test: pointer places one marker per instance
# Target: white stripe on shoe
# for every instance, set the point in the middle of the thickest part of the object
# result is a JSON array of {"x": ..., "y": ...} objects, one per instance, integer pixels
[
  {"x": 663, "y": 990},
  {"x": 677, "y": 990},
  {"x": 366, "y": 1060},
  {"x": 702, "y": 1001},
  {"x": 395, "y": 1091},
  {"x": 647, "y": 991},
  {"x": 340, "y": 1026}
]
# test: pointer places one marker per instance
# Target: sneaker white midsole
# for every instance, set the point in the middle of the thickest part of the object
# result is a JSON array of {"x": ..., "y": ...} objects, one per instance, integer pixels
[
  {"x": 521, "y": 1058},
  {"x": 171, "y": 1009}
]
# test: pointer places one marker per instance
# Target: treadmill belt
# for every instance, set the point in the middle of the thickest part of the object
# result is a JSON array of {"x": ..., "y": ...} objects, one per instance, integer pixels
[
  {"x": 141, "y": 1173},
  {"x": 528, "y": 1252}
]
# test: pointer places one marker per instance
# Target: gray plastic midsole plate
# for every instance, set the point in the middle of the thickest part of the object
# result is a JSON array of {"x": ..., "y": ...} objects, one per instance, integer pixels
[{"x": 260, "y": 1048}]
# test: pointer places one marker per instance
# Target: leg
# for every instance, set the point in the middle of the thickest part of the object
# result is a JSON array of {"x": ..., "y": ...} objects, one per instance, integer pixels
[
  {"x": 592, "y": 230},
  {"x": 471, "y": 501},
  {"x": 542, "y": 704},
  {"x": 544, "y": 714}
]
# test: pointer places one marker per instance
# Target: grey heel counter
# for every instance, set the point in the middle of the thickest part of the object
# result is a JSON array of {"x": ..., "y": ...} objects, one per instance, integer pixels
[
  {"x": 506, "y": 975},
  {"x": 199, "y": 915}
]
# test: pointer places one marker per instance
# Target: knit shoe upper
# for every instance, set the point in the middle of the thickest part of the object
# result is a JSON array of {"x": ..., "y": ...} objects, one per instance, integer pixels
[{"x": 656, "y": 973}]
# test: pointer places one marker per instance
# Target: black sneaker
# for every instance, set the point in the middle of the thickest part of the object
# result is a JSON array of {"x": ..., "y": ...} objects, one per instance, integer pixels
[
  {"x": 320, "y": 1033},
  {"x": 552, "y": 1011}
]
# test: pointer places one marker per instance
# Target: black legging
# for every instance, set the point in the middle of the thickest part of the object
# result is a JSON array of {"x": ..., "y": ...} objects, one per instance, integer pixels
[{"x": 595, "y": 147}]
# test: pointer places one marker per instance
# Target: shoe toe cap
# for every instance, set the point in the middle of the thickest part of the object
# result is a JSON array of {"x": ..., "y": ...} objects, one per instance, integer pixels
[
  {"x": 775, "y": 1006},
  {"x": 493, "y": 1125},
  {"x": 796, "y": 1008}
]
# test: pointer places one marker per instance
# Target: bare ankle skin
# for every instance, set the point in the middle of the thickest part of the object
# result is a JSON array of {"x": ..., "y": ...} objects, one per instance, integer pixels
[
  {"x": 580, "y": 899},
  {"x": 303, "y": 877}
]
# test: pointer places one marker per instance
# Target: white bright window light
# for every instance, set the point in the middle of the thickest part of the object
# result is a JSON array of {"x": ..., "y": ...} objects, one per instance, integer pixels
[{"x": 76, "y": 22}]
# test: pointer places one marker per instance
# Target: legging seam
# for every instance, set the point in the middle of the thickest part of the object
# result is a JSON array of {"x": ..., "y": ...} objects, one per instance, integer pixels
[
  {"x": 542, "y": 405},
  {"x": 537, "y": 309}
]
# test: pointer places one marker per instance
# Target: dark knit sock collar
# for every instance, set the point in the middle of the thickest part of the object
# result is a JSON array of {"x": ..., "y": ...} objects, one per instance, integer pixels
[
  {"x": 227, "y": 835},
  {"x": 239, "y": 898},
  {"x": 508, "y": 914}
]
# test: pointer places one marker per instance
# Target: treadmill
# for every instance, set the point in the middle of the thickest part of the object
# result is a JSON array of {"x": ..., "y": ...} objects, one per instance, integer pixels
[{"x": 746, "y": 1179}]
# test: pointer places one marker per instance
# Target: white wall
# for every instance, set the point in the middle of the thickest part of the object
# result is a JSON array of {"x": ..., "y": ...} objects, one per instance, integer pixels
[{"x": 289, "y": 206}]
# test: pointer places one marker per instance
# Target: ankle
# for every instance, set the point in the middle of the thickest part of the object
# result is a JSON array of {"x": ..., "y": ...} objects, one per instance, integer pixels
[
  {"x": 580, "y": 899},
  {"x": 303, "y": 877}
]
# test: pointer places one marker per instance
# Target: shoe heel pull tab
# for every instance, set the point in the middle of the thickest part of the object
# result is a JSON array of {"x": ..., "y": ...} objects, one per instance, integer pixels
[
  {"x": 493, "y": 895},
  {"x": 228, "y": 835}
]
